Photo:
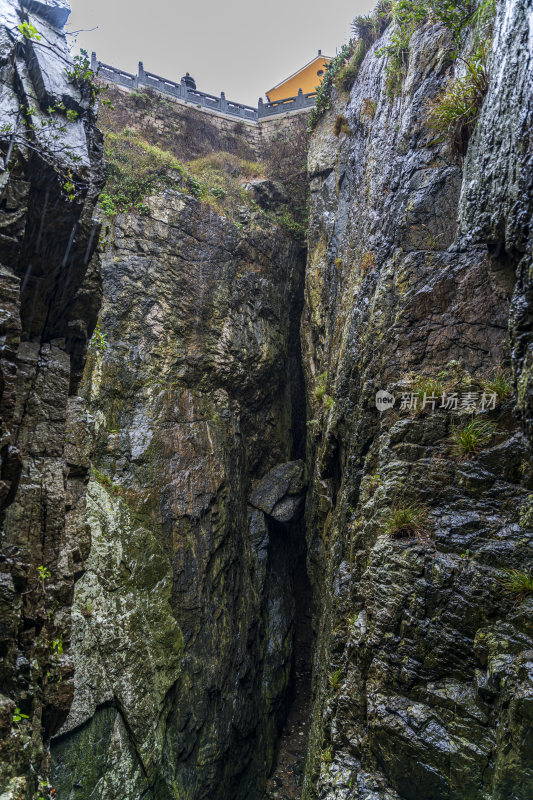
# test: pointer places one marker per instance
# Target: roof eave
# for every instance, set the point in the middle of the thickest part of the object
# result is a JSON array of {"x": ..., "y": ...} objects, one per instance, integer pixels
[{"x": 294, "y": 74}]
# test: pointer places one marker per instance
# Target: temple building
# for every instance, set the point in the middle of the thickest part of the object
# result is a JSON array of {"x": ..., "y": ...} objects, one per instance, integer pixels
[{"x": 307, "y": 79}]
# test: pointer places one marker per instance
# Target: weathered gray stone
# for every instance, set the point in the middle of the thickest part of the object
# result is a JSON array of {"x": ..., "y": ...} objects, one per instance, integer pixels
[
  {"x": 56, "y": 12},
  {"x": 174, "y": 670},
  {"x": 496, "y": 200},
  {"x": 175, "y": 546},
  {"x": 48, "y": 67}
]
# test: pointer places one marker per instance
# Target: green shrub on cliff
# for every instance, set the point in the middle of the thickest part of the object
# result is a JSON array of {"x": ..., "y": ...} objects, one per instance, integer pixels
[
  {"x": 219, "y": 176},
  {"x": 342, "y": 70},
  {"x": 345, "y": 77},
  {"x": 29, "y": 31},
  {"x": 327, "y": 756},
  {"x": 142, "y": 100},
  {"x": 320, "y": 389},
  {"x": 323, "y": 96},
  {"x": 98, "y": 341},
  {"x": 453, "y": 113},
  {"x": 369, "y": 27},
  {"x": 221, "y": 179},
  {"x": 408, "y": 15},
  {"x": 18, "y": 716},
  {"x": 135, "y": 169},
  {"x": 294, "y": 227},
  {"x": 44, "y": 575},
  {"x": 83, "y": 77}
]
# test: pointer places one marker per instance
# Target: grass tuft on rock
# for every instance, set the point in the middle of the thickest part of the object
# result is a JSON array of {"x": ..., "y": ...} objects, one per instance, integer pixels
[
  {"x": 320, "y": 389},
  {"x": 426, "y": 387},
  {"x": 467, "y": 441},
  {"x": 341, "y": 126},
  {"x": 368, "y": 108},
  {"x": 335, "y": 678},
  {"x": 368, "y": 261},
  {"x": 135, "y": 169},
  {"x": 87, "y": 609},
  {"x": 499, "y": 384},
  {"x": 517, "y": 583},
  {"x": 406, "y": 520}
]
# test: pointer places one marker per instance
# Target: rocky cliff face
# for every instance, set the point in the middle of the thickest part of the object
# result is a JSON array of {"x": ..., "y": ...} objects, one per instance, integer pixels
[
  {"x": 51, "y": 171},
  {"x": 184, "y": 620},
  {"x": 419, "y": 263},
  {"x": 152, "y": 590}
]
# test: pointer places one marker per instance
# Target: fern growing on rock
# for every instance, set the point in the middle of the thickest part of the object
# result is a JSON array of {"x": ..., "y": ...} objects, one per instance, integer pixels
[{"x": 452, "y": 115}]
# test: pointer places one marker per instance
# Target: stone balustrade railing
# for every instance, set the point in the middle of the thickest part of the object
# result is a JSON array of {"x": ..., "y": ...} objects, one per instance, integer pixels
[{"x": 208, "y": 101}]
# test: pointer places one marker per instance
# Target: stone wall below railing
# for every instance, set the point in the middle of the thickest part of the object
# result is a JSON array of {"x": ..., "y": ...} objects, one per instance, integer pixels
[{"x": 189, "y": 132}]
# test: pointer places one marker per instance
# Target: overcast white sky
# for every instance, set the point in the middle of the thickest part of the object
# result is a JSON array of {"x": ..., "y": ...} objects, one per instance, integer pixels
[{"x": 242, "y": 47}]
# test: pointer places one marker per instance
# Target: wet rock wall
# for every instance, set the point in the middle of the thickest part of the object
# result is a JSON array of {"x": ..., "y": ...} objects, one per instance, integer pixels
[
  {"x": 51, "y": 172},
  {"x": 419, "y": 267},
  {"x": 184, "y": 620}
]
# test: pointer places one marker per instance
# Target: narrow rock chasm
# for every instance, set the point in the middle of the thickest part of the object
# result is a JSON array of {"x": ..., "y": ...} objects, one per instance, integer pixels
[
  {"x": 225, "y": 571},
  {"x": 184, "y": 620},
  {"x": 286, "y": 781}
]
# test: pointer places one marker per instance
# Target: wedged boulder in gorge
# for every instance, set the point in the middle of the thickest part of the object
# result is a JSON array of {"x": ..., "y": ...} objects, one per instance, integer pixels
[
  {"x": 280, "y": 494},
  {"x": 267, "y": 193}
]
